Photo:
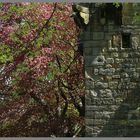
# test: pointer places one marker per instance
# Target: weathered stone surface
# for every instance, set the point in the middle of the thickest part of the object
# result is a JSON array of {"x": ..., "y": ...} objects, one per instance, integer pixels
[
  {"x": 107, "y": 93},
  {"x": 96, "y": 71},
  {"x": 89, "y": 122},
  {"x": 115, "y": 54},
  {"x": 103, "y": 115},
  {"x": 124, "y": 54},
  {"x": 116, "y": 76},
  {"x": 101, "y": 85},
  {"x": 110, "y": 60},
  {"x": 89, "y": 113},
  {"x": 108, "y": 66},
  {"x": 113, "y": 80},
  {"x": 89, "y": 131},
  {"x": 113, "y": 85},
  {"x": 98, "y": 35},
  {"x": 118, "y": 60},
  {"x": 99, "y": 60},
  {"x": 109, "y": 71},
  {"x": 113, "y": 107},
  {"x": 102, "y": 71},
  {"x": 103, "y": 101},
  {"x": 93, "y": 93},
  {"x": 125, "y": 75},
  {"x": 135, "y": 42},
  {"x": 135, "y": 75},
  {"x": 89, "y": 84},
  {"x": 88, "y": 51},
  {"x": 94, "y": 60}
]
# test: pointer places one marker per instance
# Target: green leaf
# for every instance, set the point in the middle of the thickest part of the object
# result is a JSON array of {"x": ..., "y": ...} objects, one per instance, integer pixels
[
  {"x": 50, "y": 76},
  {"x": 15, "y": 94}
]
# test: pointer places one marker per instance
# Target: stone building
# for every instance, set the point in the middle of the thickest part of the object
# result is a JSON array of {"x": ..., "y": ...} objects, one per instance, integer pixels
[{"x": 111, "y": 43}]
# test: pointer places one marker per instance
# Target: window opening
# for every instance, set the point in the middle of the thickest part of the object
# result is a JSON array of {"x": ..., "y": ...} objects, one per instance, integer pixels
[{"x": 126, "y": 40}]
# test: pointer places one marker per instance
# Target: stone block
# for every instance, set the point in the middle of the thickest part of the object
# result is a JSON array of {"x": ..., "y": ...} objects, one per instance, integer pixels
[
  {"x": 93, "y": 108},
  {"x": 116, "y": 41},
  {"x": 88, "y": 113},
  {"x": 138, "y": 70},
  {"x": 89, "y": 84},
  {"x": 131, "y": 70},
  {"x": 88, "y": 122},
  {"x": 124, "y": 75},
  {"x": 124, "y": 55},
  {"x": 127, "y": 20},
  {"x": 102, "y": 71},
  {"x": 108, "y": 66},
  {"x": 93, "y": 93},
  {"x": 101, "y": 85},
  {"x": 103, "y": 101},
  {"x": 114, "y": 55},
  {"x": 88, "y": 131},
  {"x": 108, "y": 36},
  {"x": 87, "y": 36},
  {"x": 113, "y": 85},
  {"x": 113, "y": 107},
  {"x": 132, "y": 85},
  {"x": 118, "y": 101},
  {"x": 116, "y": 76},
  {"x": 105, "y": 93},
  {"x": 135, "y": 42},
  {"x": 96, "y": 71},
  {"x": 88, "y": 51},
  {"x": 96, "y": 129},
  {"x": 88, "y": 100},
  {"x": 135, "y": 75},
  {"x": 109, "y": 71},
  {"x": 113, "y": 133},
  {"x": 98, "y": 45},
  {"x": 94, "y": 60},
  {"x": 109, "y": 60},
  {"x": 98, "y": 35},
  {"x": 98, "y": 61}
]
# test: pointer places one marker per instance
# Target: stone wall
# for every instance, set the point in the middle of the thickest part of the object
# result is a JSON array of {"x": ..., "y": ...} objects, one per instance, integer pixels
[{"x": 112, "y": 74}]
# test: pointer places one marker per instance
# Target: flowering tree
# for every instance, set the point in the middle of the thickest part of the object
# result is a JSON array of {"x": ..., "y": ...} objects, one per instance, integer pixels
[{"x": 41, "y": 78}]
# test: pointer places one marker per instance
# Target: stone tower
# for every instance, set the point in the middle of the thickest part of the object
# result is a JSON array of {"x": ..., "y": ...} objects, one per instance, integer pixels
[{"x": 111, "y": 43}]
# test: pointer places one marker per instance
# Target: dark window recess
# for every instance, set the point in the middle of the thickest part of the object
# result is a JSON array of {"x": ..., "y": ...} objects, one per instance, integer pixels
[
  {"x": 126, "y": 43},
  {"x": 102, "y": 13},
  {"x": 113, "y": 13}
]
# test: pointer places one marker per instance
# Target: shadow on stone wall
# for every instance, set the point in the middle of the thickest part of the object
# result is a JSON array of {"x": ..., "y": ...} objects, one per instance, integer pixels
[
  {"x": 125, "y": 121},
  {"x": 113, "y": 110}
]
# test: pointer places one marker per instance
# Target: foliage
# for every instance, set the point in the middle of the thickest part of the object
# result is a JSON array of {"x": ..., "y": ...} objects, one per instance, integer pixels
[{"x": 41, "y": 78}]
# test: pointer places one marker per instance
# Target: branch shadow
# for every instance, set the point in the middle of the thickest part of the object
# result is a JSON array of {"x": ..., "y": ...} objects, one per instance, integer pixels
[{"x": 125, "y": 121}]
